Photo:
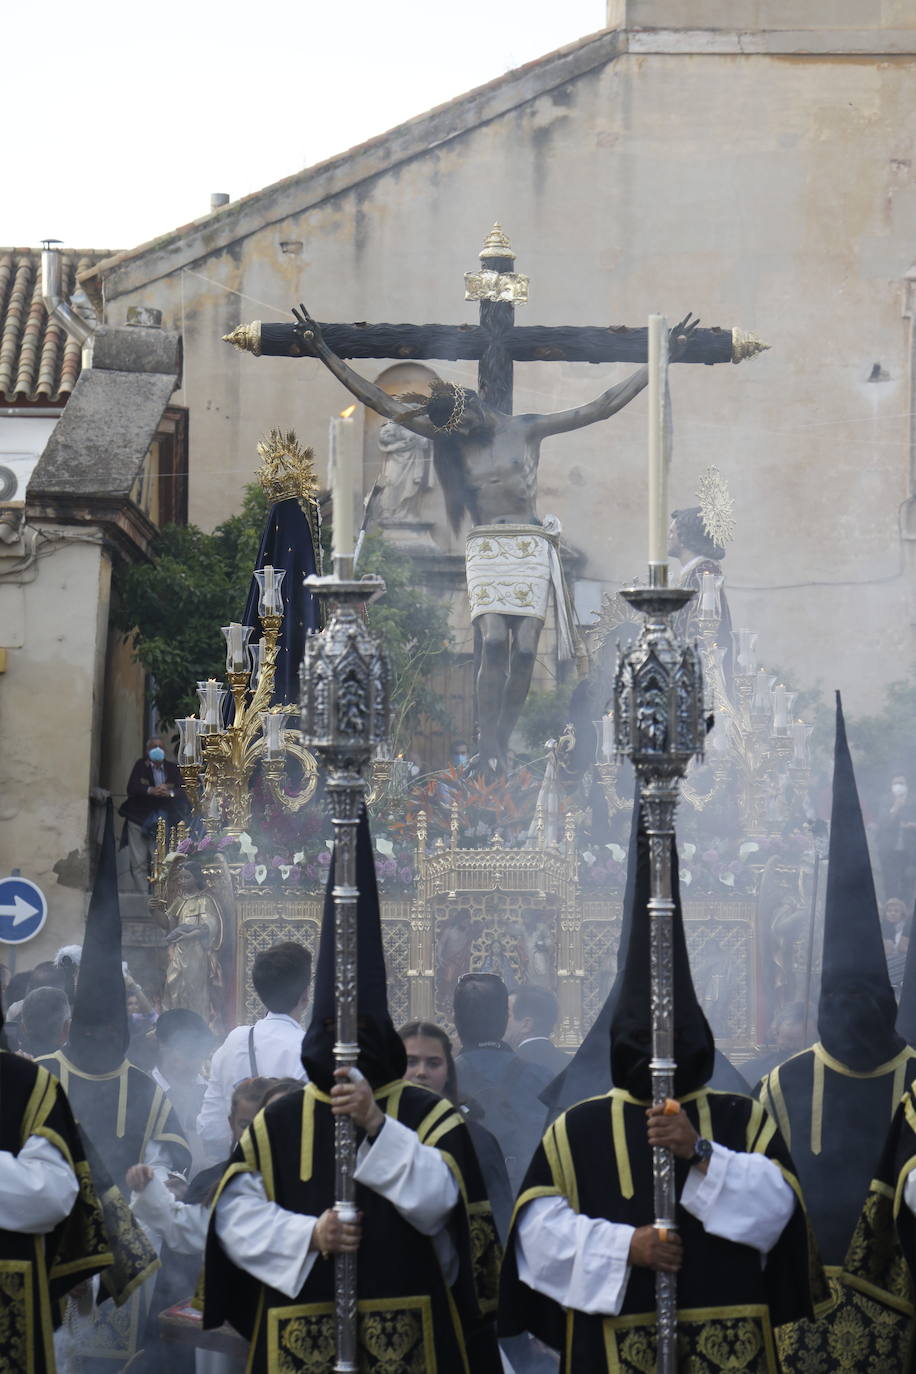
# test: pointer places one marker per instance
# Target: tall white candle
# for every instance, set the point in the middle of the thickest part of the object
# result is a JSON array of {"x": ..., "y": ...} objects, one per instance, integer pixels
[
  {"x": 658, "y": 455},
  {"x": 270, "y": 597},
  {"x": 780, "y": 708},
  {"x": 343, "y": 469}
]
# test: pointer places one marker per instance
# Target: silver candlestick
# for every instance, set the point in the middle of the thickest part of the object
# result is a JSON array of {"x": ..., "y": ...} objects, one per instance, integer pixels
[
  {"x": 659, "y": 726},
  {"x": 345, "y": 682}
]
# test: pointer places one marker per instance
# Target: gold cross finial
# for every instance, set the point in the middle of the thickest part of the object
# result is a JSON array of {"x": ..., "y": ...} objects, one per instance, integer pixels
[{"x": 496, "y": 245}]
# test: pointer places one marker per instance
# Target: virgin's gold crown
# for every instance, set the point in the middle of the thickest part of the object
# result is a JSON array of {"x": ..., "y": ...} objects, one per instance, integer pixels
[{"x": 287, "y": 470}]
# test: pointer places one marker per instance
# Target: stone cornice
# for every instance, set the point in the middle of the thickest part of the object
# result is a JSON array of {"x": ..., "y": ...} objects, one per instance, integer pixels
[{"x": 128, "y": 533}]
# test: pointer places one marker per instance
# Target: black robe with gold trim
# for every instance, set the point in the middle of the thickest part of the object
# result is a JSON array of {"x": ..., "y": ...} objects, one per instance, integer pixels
[
  {"x": 834, "y": 1121},
  {"x": 597, "y": 1157},
  {"x": 121, "y": 1112},
  {"x": 870, "y": 1327},
  {"x": 36, "y": 1271},
  {"x": 410, "y": 1321}
]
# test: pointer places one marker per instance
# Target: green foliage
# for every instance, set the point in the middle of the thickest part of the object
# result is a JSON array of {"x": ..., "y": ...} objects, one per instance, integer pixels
[
  {"x": 172, "y": 609},
  {"x": 414, "y": 628}
]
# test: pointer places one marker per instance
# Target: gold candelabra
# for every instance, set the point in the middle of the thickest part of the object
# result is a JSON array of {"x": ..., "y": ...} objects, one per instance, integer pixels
[{"x": 218, "y": 760}]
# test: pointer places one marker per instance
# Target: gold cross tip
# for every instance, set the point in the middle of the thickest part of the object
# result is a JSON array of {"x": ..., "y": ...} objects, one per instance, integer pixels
[
  {"x": 746, "y": 345},
  {"x": 496, "y": 245},
  {"x": 246, "y": 338}
]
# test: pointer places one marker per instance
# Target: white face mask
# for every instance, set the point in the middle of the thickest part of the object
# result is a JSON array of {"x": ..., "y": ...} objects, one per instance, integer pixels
[{"x": 898, "y": 789}]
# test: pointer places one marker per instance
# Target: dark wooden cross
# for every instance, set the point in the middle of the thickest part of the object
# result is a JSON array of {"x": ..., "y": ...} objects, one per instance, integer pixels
[{"x": 497, "y": 342}]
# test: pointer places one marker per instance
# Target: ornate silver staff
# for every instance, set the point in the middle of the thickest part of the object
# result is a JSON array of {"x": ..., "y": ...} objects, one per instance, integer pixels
[
  {"x": 659, "y": 726},
  {"x": 345, "y": 716}
]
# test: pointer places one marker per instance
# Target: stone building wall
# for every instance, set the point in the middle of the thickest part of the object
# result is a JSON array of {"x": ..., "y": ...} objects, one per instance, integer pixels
[{"x": 757, "y": 174}]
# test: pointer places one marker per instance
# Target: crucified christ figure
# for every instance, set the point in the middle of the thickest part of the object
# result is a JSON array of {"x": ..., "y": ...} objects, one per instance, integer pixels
[{"x": 487, "y": 463}]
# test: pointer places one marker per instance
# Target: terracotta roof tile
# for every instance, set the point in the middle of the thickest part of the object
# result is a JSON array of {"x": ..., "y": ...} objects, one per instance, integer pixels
[{"x": 38, "y": 359}]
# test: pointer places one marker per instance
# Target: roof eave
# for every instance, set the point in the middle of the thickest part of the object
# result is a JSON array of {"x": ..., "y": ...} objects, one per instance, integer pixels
[{"x": 168, "y": 253}]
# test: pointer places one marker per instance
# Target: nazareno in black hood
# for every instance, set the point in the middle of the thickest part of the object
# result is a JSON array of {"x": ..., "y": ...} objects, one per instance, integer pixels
[
  {"x": 631, "y": 1021},
  {"x": 381, "y": 1053},
  {"x": 857, "y": 1010}
]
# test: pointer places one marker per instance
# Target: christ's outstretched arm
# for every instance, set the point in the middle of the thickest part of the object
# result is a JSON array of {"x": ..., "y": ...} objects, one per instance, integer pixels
[
  {"x": 609, "y": 402},
  {"x": 365, "y": 391}
]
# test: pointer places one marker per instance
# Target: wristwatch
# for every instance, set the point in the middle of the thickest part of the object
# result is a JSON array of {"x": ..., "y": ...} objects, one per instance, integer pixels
[{"x": 702, "y": 1151}]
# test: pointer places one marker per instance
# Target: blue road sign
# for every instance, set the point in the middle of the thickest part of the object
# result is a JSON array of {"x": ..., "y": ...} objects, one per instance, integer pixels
[{"x": 23, "y": 910}]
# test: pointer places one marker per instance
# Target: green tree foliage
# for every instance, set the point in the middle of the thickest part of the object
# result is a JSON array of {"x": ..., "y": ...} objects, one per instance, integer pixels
[
  {"x": 172, "y": 609},
  {"x": 415, "y": 631}
]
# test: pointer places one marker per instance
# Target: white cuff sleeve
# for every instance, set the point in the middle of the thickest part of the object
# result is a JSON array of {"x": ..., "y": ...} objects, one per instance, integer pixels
[
  {"x": 157, "y": 1156},
  {"x": 414, "y": 1178},
  {"x": 37, "y": 1188},
  {"x": 181, "y": 1226},
  {"x": 578, "y": 1261},
  {"x": 741, "y": 1197},
  {"x": 263, "y": 1238}
]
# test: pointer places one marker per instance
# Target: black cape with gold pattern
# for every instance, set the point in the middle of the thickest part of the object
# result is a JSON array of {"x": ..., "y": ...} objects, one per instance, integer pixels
[
  {"x": 835, "y": 1122},
  {"x": 410, "y": 1321},
  {"x": 121, "y": 1112},
  {"x": 869, "y": 1328},
  {"x": 597, "y": 1157},
  {"x": 36, "y": 1271}
]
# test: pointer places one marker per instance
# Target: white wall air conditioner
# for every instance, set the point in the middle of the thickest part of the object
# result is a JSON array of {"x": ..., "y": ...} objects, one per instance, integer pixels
[{"x": 15, "y": 471}]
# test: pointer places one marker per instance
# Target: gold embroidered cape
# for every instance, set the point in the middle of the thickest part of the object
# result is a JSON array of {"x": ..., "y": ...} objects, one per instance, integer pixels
[
  {"x": 597, "y": 1157},
  {"x": 37, "y": 1271},
  {"x": 411, "y": 1321}
]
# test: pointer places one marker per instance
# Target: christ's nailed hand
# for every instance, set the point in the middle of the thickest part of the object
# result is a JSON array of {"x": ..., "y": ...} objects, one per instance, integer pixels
[
  {"x": 308, "y": 331},
  {"x": 679, "y": 337},
  {"x": 649, "y": 1251}
]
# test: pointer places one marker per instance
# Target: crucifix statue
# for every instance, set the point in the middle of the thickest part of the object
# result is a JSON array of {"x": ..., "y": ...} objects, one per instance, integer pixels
[{"x": 486, "y": 458}]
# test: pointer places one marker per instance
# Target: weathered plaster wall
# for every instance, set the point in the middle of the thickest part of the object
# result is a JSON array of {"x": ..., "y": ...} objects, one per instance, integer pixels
[
  {"x": 771, "y": 192},
  {"x": 50, "y": 714}
]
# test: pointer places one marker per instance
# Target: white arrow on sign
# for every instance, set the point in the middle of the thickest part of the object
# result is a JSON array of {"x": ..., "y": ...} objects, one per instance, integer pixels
[{"x": 20, "y": 911}]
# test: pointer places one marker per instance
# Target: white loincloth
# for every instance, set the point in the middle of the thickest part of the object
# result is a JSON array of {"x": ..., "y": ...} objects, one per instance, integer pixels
[{"x": 510, "y": 571}]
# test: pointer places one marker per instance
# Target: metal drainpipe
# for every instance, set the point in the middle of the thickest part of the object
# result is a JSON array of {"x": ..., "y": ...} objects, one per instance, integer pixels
[{"x": 58, "y": 309}]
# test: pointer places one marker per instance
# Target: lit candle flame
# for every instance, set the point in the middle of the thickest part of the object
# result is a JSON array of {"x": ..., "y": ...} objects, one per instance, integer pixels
[{"x": 345, "y": 414}]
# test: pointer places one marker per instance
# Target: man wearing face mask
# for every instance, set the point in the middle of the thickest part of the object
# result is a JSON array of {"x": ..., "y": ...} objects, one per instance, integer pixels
[
  {"x": 834, "y": 1102},
  {"x": 153, "y": 789}
]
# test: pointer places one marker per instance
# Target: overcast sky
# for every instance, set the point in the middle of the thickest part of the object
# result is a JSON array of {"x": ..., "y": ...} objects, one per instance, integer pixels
[{"x": 122, "y": 118}]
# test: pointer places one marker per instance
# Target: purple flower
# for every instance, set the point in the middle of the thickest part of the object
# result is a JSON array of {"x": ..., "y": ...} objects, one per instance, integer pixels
[
  {"x": 247, "y": 873},
  {"x": 226, "y": 842},
  {"x": 295, "y": 873},
  {"x": 405, "y": 874},
  {"x": 324, "y": 858},
  {"x": 311, "y": 870},
  {"x": 205, "y": 843},
  {"x": 185, "y": 846}
]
